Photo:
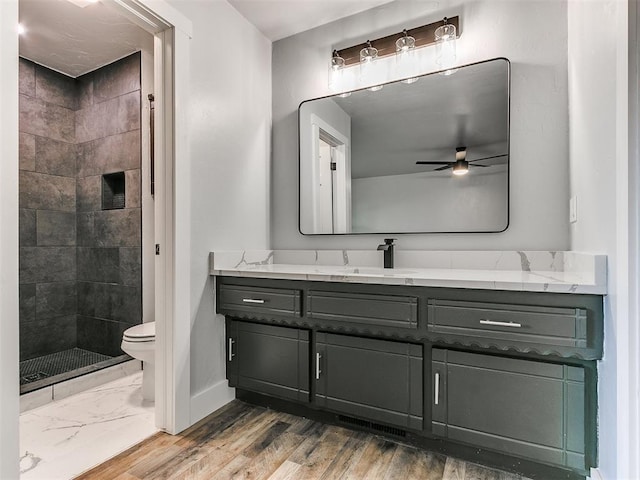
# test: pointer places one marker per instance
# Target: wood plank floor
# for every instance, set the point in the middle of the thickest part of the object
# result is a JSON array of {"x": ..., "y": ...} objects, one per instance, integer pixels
[{"x": 243, "y": 441}]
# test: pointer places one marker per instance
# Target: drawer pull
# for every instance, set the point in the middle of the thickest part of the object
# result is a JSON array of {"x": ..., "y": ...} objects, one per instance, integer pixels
[
  {"x": 252, "y": 300},
  {"x": 231, "y": 354},
  {"x": 437, "y": 389},
  {"x": 318, "y": 372},
  {"x": 501, "y": 324}
]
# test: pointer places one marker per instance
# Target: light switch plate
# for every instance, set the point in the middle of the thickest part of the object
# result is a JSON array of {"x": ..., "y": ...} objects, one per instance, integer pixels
[{"x": 573, "y": 209}]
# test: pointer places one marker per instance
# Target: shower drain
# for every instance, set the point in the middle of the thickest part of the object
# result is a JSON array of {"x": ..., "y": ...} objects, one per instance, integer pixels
[
  {"x": 33, "y": 377},
  {"x": 57, "y": 363}
]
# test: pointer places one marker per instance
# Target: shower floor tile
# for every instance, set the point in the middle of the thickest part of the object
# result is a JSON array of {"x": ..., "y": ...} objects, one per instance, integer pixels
[
  {"x": 57, "y": 363},
  {"x": 66, "y": 437}
]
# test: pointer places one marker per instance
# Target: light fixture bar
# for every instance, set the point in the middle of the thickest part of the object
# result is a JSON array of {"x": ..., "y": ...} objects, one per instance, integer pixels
[{"x": 424, "y": 35}]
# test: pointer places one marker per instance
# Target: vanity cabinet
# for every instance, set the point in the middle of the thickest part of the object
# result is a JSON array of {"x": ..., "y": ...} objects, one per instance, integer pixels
[
  {"x": 523, "y": 408},
  {"x": 502, "y": 377},
  {"x": 268, "y": 359},
  {"x": 379, "y": 380}
]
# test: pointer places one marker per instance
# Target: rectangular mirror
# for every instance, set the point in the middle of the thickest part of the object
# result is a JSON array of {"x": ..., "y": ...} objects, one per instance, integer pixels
[{"x": 430, "y": 156}]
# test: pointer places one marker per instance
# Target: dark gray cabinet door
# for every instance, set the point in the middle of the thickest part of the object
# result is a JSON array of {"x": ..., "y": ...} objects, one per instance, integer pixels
[
  {"x": 268, "y": 359},
  {"x": 376, "y": 379},
  {"x": 519, "y": 407}
]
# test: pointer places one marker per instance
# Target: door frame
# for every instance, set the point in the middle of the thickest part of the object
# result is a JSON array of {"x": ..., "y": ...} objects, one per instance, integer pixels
[
  {"x": 172, "y": 32},
  {"x": 342, "y": 187},
  {"x": 9, "y": 320}
]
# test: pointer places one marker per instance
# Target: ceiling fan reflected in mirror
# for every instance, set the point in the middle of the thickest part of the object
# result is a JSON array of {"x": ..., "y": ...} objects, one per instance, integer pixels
[{"x": 461, "y": 165}]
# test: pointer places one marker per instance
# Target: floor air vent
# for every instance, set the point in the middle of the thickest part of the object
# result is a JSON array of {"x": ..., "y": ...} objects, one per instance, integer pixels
[{"x": 398, "y": 432}]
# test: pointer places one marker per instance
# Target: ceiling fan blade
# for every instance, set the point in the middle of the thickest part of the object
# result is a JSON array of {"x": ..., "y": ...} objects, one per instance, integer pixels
[
  {"x": 483, "y": 166},
  {"x": 442, "y": 168},
  {"x": 434, "y": 163},
  {"x": 487, "y": 158}
]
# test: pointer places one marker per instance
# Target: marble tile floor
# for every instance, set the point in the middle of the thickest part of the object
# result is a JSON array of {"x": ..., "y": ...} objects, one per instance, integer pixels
[{"x": 64, "y": 438}]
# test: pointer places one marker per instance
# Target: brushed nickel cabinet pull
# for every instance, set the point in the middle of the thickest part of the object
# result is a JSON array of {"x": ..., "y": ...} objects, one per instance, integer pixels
[
  {"x": 252, "y": 300},
  {"x": 500, "y": 324},
  {"x": 436, "y": 399},
  {"x": 231, "y": 354},
  {"x": 318, "y": 372}
]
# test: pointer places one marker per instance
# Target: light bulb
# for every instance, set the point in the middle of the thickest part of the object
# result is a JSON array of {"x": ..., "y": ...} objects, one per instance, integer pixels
[
  {"x": 369, "y": 53},
  {"x": 445, "y": 36},
  {"x": 367, "y": 64},
  {"x": 405, "y": 61},
  {"x": 20, "y": 29},
  {"x": 336, "y": 70},
  {"x": 461, "y": 167}
]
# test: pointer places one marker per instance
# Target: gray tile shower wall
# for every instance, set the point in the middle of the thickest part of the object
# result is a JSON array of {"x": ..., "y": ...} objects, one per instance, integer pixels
[
  {"x": 108, "y": 141},
  {"x": 80, "y": 266},
  {"x": 48, "y": 300}
]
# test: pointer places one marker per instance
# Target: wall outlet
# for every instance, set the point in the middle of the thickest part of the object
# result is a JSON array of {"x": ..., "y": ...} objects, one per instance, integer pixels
[{"x": 573, "y": 209}]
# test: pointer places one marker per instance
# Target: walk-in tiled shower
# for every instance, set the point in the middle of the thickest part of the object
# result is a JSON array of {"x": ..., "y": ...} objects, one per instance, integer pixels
[{"x": 80, "y": 218}]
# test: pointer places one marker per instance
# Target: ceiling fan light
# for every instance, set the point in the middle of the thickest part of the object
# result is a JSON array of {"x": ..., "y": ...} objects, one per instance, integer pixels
[{"x": 461, "y": 167}]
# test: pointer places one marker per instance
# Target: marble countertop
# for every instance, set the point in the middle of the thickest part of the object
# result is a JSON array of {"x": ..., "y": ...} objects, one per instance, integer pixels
[{"x": 558, "y": 272}]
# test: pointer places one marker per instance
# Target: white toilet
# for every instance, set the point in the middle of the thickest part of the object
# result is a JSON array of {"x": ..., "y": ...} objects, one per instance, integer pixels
[{"x": 140, "y": 342}]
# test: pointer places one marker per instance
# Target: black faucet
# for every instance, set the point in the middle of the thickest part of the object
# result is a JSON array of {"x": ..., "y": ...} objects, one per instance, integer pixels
[{"x": 387, "y": 246}]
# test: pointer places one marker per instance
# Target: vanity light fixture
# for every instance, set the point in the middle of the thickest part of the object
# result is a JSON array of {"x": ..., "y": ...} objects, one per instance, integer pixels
[
  {"x": 445, "y": 36},
  {"x": 405, "y": 47},
  {"x": 402, "y": 45},
  {"x": 368, "y": 56},
  {"x": 336, "y": 70}
]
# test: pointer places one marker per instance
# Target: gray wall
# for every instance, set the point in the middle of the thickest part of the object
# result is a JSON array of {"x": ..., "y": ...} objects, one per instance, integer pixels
[
  {"x": 532, "y": 34},
  {"x": 80, "y": 280}
]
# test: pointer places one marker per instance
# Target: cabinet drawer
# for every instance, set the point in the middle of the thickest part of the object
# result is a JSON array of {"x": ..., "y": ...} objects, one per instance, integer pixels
[
  {"x": 509, "y": 323},
  {"x": 383, "y": 310},
  {"x": 275, "y": 301}
]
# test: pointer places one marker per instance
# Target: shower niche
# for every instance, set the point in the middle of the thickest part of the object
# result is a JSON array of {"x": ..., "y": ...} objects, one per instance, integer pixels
[
  {"x": 80, "y": 219},
  {"x": 113, "y": 191}
]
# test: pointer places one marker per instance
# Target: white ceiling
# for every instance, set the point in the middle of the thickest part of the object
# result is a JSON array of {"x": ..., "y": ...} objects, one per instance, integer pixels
[
  {"x": 278, "y": 19},
  {"x": 74, "y": 40}
]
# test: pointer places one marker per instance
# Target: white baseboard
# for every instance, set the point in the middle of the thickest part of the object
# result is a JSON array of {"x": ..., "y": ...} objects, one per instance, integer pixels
[
  {"x": 595, "y": 475},
  {"x": 208, "y": 401}
]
